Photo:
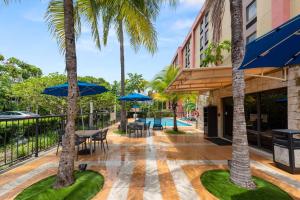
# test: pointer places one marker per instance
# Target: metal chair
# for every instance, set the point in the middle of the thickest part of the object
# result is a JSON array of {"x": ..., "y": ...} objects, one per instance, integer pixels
[
  {"x": 101, "y": 137},
  {"x": 157, "y": 124},
  {"x": 78, "y": 141}
]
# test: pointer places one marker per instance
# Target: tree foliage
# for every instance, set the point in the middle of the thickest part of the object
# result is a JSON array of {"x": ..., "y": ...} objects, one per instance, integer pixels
[
  {"x": 87, "y": 10},
  {"x": 213, "y": 54},
  {"x": 47, "y": 104},
  {"x": 12, "y": 71},
  {"x": 135, "y": 83}
]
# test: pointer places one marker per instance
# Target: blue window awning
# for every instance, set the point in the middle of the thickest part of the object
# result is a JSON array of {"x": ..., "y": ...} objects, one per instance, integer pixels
[{"x": 278, "y": 48}]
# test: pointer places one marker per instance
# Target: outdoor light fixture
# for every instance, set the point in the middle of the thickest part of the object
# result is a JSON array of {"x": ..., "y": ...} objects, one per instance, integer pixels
[{"x": 82, "y": 167}]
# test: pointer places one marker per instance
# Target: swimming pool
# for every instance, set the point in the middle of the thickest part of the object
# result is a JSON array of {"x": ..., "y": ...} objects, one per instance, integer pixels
[{"x": 168, "y": 122}]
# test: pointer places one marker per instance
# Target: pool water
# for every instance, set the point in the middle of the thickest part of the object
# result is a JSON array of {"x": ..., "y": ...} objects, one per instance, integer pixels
[{"x": 168, "y": 122}]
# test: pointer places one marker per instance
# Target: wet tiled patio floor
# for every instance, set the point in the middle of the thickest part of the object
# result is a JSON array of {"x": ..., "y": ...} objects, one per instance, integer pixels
[{"x": 153, "y": 167}]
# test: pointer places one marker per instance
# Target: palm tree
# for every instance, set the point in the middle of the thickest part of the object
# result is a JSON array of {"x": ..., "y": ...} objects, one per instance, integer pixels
[
  {"x": 160, "y": 84},
  {"x": 134, "y": 17},
  {"x": 63, "y": 27},
  {"x": 63, "y": 17},
  {"x": 240, "y": 172}
]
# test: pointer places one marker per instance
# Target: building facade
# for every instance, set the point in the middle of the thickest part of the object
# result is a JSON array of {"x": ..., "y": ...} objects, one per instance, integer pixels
[{"x": 272, "y": 99}]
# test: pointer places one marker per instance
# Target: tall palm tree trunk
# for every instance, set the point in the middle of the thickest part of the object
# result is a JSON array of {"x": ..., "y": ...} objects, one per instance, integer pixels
[
  {"x": 65, "y": 175},
  {"x": 240, "y": 172},
  {"x": 123, "y": 110},
  {"x": 174, "y": 105}
]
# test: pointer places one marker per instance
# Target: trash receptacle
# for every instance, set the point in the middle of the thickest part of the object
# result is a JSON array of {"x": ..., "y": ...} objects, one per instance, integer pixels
[{"x": 286, "y": 150}]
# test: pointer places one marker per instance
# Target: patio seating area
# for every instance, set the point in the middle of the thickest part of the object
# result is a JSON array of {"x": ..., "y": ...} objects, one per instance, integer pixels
[{"x": 155, "y": 166}]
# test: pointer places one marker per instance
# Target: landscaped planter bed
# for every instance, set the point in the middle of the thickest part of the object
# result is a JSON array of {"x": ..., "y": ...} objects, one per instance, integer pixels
[
  {"x": 217, "y": 182},
  {"x": 86, "y": 186}
]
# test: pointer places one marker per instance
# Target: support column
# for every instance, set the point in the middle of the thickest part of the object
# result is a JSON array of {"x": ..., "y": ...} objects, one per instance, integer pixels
[
  {"x": 201, "y": 102},
  {"x": 294, "y": 98}
]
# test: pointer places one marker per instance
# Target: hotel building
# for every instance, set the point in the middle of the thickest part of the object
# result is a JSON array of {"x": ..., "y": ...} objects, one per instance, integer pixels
[{"x": 272, "y": 94}]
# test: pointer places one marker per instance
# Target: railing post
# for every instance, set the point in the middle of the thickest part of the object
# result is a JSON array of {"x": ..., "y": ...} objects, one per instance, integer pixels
[{"x": 37, "y": 137}]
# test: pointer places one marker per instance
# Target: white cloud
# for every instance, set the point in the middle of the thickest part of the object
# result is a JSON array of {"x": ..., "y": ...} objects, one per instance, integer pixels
[
  {"x": 183, "y": 24},
  {"x": 192, "y": 2},
  {"x": 87, "y": 45},
  {"x": 34, "y": 16}
]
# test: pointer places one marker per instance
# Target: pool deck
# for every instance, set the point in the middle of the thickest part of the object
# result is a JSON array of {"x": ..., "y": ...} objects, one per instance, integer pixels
[{"x": 153, "y": 167}]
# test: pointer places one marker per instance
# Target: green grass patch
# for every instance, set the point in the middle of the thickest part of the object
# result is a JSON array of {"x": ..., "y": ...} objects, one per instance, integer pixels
[
  {"x": 172, "y": 132},
  {"x": 218, "y": 183},
  {"x": 119, "y": 132},
  {"x": 87, "y": 185}
]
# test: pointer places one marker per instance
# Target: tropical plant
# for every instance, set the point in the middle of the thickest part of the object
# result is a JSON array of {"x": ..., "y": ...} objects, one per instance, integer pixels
[
  {"x": 160, "y": 84},
  {"x": 189, "y": 107},
  {"x": 64, "y": 17},
  {"x": 13, "y": 71},
  {"x": 33, "y": 99},
  {"x": 135, "y": 83},
  {"x": 213, "y": 54},
  {"x": 240, "y": 172},
  {"x": 134, "y": 17}
]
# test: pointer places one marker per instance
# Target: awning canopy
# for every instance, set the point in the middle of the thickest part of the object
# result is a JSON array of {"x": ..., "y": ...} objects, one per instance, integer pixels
[
  {"x": 278, "y": 48},
  {"x": 208, "y": 78}
]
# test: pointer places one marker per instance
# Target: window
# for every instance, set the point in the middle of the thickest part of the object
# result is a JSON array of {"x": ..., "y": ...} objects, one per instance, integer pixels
[
  {"x": 201, "y": 58},
  {"x": 250, "y": 38},
  {"x": 187, "y": 55},
  {"x": 201, "y": 28},
  {"x": 251, "y": 11},
  {"x": 206, "y": 37},
  {"x": 201, "y": 43},
  {"x": 264, "y": 111},
  {"x": 206, "y": 19}
]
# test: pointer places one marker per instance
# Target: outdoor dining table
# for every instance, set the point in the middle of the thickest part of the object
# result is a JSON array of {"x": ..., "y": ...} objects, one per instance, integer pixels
[
  {"x": 132, "y": 126},
  {"x": 88, "y": 134}
]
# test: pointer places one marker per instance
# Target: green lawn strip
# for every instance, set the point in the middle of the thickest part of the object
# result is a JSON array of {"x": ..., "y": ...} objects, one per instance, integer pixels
[
  {"x": 175, "y": 132},
  {"x": 119, "y": 132},
  {"x": 218, "y": 183},
  {"x": 87, "y": 185}
]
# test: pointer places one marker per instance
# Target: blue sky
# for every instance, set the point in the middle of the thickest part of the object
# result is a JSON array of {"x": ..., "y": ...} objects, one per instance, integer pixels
[{"x": 24, "y": 34}]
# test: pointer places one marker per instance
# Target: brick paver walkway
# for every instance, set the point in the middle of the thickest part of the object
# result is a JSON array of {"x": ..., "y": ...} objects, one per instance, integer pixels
[{"x": 153, "y": 167}]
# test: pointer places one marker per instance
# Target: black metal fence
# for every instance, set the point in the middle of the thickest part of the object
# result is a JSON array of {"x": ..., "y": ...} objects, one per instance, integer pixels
[{"x": 23, "y": 138}]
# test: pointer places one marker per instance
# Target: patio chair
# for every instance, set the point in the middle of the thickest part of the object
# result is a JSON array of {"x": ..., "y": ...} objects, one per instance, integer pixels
[
  {"x": 78, "y": 141},
  {"x": 100, "y": 138},
  {"x": 59, "y": 142},
  {"x": 135, "y": 127},
  {"x": 157, "y": 124},
  {"x": 142, "y": 120}
]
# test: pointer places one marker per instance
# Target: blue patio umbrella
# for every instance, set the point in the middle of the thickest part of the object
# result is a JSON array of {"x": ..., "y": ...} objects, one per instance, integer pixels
[
  {"x": 84, "y": 89},
  {"x": 135, "y": 97},
  {"x": 278, "y": 48}
]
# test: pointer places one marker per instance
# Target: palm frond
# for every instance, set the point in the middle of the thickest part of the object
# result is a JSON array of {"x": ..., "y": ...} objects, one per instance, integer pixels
[
  {"x": 160, "y": 83},
  {"x": 55, "y": 20},
  {"x": 87, "y": 9},
  {"x": 90, "y": 9},
  {"x": 136, "y": 16},
  {"x": 216, "y": 9}
]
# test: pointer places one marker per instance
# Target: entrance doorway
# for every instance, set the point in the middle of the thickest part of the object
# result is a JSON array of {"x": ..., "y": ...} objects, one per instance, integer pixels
[
  {"x": 227, "y": 117},
  {"x": 264, "y": 111}
]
